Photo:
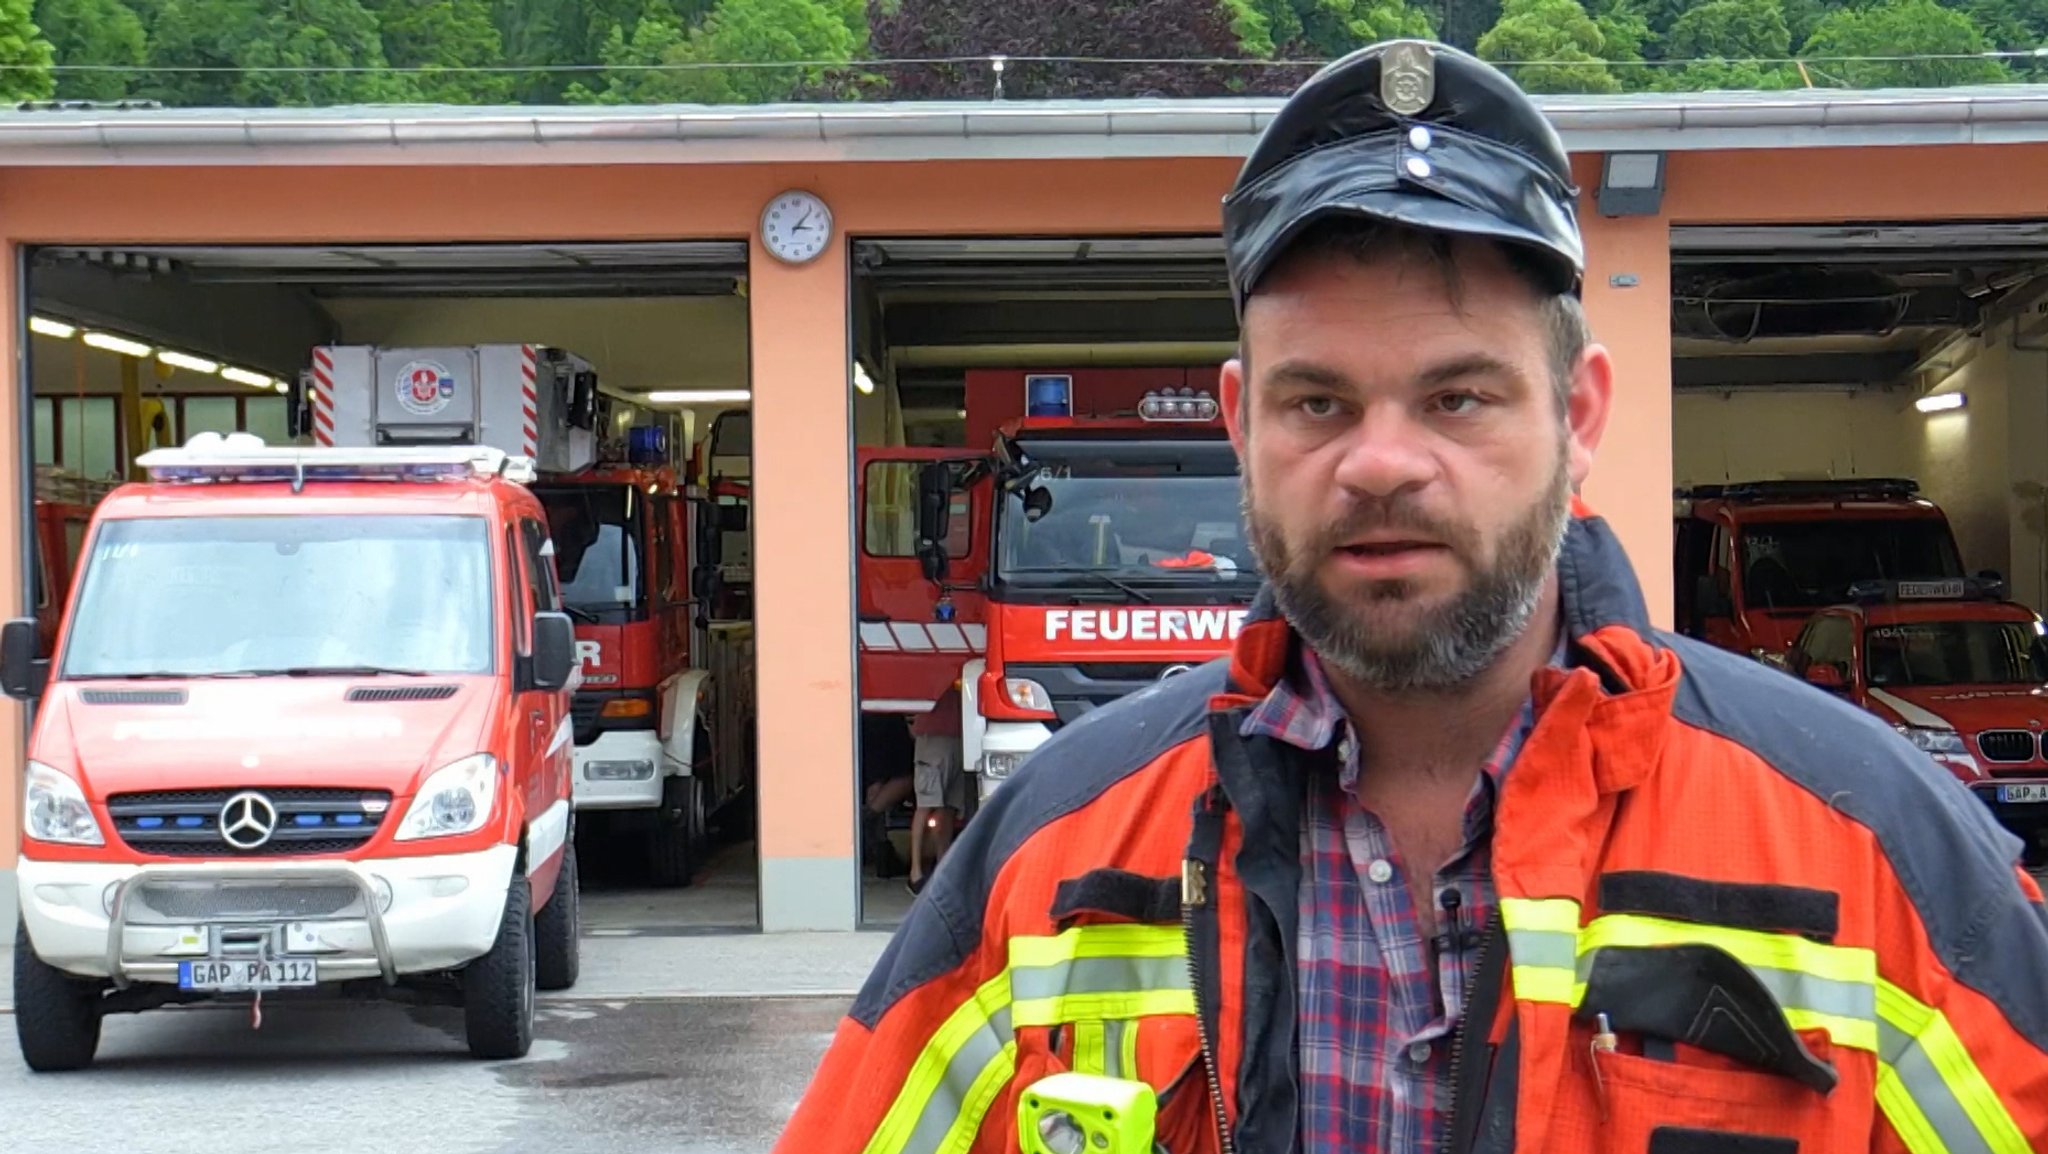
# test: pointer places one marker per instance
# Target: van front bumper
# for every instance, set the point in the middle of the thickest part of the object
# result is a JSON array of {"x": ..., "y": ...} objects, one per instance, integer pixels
[{"x": 378, "y": 918}]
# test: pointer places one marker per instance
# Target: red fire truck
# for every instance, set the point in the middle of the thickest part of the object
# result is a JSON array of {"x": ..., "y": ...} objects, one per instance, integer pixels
[
  {"x": 1088, "y": 545},
  {"x": 662, "y": 712}
]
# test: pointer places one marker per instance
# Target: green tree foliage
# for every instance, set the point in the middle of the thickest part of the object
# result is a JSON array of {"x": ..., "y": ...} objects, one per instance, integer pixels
[
  {"x": 281, "y": 38},
  {"x": 1550, "y": 46},
  {"x": 1902, "y": 28},
  {"x": 26, "y": 52},
  {"x": 278, "y": 52},
  {"x": 94, "y": 33},
  {"x": 1728, "y": 44},
  {"x": 446, "y": 40}
]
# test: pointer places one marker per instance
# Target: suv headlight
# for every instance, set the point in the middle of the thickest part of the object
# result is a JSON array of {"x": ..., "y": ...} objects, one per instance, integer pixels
[
  {"x": 56, "y": 810},
  {"x": 457, "y": 799},
  {"x": 1942, "y": 742}
]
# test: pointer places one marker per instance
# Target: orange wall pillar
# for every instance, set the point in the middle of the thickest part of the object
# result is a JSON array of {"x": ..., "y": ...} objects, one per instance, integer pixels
[
  {"x": 803, "y": 593},
  {"x": 1628, "y": 302},
  {"x": 13, "y": 714}
]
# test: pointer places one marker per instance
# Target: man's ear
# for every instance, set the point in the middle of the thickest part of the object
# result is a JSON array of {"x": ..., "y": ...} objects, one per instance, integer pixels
[
  {"x": 1586, "y": 408},
  {"x": 1230, "y": 389}
]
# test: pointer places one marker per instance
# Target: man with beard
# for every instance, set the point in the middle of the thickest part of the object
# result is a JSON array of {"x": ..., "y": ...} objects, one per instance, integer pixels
[{"x": 1455, "y": 851}]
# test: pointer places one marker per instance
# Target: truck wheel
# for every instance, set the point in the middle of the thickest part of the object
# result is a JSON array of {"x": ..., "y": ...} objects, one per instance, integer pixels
[
  {"x": 558, "y": 928},
  {"x": 56, "y": 1016},
  {"x": 497, "y": 989},
  {"x": 678, "y": 833}
]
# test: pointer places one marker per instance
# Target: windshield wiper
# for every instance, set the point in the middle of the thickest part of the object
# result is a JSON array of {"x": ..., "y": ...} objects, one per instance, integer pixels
[
  {"x": 1067, "y": 576},
  {"x": 328, "y": 671},
  {"x": 581, "y": 614}
]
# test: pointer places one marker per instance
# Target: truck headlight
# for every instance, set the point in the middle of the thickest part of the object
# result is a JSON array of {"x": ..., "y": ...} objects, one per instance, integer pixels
[
  {"x": 456, "y": 799},
  {"x": 998, "y": 766},
  {"x": 56, "y": 811}
]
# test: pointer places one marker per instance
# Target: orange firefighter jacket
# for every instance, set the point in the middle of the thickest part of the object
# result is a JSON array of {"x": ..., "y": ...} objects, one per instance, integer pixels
[{"x": 1828, "y": 933}]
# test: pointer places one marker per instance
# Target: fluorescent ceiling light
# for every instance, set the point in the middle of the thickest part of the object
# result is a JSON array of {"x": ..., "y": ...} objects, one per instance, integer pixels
[
  {"x": 1939, "y": 402},
  {"x": 114, "y": 344},
  {"x": 50, "y": 328},
  {"x": 245, "y": 377},
  {"x": 697, "y": 396},
  {"x": 187, "y": 361}
]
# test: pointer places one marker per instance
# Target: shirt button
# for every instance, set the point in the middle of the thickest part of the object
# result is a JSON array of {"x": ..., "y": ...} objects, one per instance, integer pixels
[
  {"x": 1381, "y": 870},
  {"x": 1419, "y": 1053}
]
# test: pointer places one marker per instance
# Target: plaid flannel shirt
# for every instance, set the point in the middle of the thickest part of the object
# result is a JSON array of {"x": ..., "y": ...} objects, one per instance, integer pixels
[{"x": 1376, "y": 1003}]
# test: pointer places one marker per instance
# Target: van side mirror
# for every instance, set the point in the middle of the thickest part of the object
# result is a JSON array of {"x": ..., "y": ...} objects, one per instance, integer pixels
[
  {"x": 554, "y": 650},
  {"x": 1826, "y": 676},
  {"x": 22, "y": 674}
]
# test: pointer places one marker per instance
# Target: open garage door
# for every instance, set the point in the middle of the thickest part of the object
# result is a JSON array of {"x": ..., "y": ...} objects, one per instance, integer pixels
[
  {"x": 135, "y": 347},
  {"x": 1048, "y": 505},
  {"x": 1862, "y": 499}
]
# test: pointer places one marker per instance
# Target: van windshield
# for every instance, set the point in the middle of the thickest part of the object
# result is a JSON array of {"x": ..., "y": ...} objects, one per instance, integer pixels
[
  {"x": 219, "y": 596},
  {"x": 1811, "y": 564}
]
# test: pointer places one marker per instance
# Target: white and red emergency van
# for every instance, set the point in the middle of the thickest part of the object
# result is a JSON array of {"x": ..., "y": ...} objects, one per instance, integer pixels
[
  {"x": 1093, "y": 548},
  {"x": 662, "y": 729},
  {"x": 306, "y": 725}
]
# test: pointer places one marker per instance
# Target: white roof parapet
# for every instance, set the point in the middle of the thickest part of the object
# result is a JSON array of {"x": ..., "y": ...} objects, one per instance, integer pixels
[{"x": 940, "y": 130}]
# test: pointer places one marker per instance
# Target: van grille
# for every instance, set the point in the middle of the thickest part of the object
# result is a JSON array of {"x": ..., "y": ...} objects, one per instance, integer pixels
[{"x": 186, "y": 823}]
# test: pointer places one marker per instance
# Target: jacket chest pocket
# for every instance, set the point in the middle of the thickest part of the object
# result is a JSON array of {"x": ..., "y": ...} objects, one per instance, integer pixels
[
  {"x": 1703, "y": 1054},
  {"x": 1110, "y": 993}
]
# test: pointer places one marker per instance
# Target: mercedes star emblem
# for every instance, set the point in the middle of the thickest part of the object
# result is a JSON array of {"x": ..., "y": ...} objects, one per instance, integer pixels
[{"x": 247, "y": 820}]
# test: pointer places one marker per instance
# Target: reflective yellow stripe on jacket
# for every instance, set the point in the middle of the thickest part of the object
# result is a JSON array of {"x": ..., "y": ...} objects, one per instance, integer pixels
[
  {"x": 1098, "y": 979},
  {"x": 1928, "y": 1085}
]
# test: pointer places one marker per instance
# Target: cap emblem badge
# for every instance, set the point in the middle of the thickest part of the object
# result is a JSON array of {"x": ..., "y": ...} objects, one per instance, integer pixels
[{"x": 1407, "y": 78}]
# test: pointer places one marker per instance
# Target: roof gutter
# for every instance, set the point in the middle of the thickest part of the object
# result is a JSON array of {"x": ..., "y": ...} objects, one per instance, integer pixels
[{"x": 965, "y": 130}]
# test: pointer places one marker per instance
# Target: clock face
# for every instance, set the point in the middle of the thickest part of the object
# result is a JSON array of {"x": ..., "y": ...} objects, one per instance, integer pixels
[{"x": 796, "y": 226}]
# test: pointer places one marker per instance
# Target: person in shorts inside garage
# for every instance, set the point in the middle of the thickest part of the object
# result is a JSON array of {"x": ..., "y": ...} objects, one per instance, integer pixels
[{"x": 939, "y": 781}]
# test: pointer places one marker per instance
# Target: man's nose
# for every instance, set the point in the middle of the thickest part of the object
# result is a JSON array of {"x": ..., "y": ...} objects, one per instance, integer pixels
[{"x": 1386, "y": 453}]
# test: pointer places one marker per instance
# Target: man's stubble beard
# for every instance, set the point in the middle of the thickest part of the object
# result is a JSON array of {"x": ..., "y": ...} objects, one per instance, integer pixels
[{"x": 1450, "y": 645}]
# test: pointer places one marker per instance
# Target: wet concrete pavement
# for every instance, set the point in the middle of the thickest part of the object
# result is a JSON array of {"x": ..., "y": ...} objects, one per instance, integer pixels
[{"x": 631, "y": 1076}]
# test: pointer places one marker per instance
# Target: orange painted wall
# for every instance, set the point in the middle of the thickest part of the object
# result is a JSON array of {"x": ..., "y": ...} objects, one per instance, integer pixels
[{"x": 804, "y": 655}]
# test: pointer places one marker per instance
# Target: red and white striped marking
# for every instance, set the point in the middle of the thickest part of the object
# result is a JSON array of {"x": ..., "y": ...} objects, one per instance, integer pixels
[
  {"x": 922, "y": 637},
  {"x": 529, "y": 399},
  {"x": 323, "y": 397}
]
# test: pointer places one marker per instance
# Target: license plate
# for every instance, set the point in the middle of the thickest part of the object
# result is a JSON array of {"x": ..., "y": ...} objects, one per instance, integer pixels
[
  {"x": 273, "y": 974},
  {"x": 2026, "y": 791}
]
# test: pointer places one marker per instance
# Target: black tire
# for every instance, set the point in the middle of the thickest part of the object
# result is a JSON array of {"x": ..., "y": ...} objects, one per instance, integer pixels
[
  {"x": 675, "y": 843},
  {"x": 498, "y": 988},
  {"x": 56, "y": 1016},
  {"x": 558, "y": 928}
]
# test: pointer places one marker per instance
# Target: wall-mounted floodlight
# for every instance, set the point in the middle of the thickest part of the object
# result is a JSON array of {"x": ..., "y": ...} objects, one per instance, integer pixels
[
  {"x": 1631, "y": 183},
  {"x": 1939, "y": 402}
]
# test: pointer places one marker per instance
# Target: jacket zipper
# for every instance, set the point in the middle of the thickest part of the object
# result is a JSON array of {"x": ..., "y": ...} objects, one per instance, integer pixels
[
  {"x": 1195, "y": 909},
  {"x": 1468, "y": 1082}
]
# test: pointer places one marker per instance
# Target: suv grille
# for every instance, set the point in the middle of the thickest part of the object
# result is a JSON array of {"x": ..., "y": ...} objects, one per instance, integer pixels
[
  {"x": 2006, "y": 745},
  {"x": 186, "y": 823}
]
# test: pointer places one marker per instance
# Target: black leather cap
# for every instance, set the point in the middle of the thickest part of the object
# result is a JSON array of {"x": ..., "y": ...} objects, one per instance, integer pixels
[{"x": 1414, "y": 133}]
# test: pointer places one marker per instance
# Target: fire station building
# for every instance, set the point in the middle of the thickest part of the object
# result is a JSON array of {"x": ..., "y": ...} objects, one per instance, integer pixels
[{"x": 1806, "y": 284}]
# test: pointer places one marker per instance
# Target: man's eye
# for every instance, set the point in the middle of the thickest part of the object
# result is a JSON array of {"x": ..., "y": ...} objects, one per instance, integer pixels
[
  {"x": 1458, "y": 402},
  {"x": 1318, "y": 406}
]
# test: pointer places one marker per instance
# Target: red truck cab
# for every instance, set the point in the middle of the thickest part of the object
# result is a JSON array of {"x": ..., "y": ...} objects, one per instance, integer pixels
[
  {"x": 1958, "y": 671},
  {"x": 1753, "y": 560},
  {"x": 1094, "y": 549},
  {"x": 306, "y": 725}
]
